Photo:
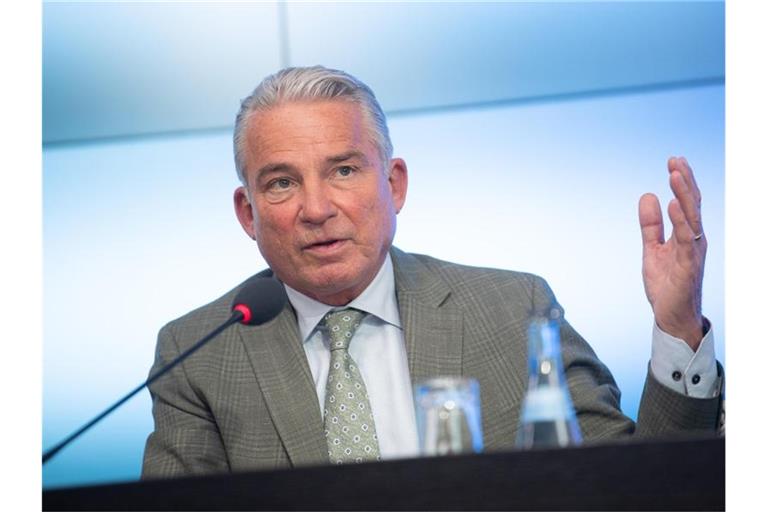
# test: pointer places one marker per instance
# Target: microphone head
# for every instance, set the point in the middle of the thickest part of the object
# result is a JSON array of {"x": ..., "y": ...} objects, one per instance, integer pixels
[{"x": 260, "y": 300}]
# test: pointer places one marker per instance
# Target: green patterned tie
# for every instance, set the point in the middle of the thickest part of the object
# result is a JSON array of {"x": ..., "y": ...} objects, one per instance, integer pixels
[{"x": 349, "y": 427}]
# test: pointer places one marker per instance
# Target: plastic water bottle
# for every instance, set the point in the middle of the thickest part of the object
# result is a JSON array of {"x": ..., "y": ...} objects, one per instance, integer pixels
[{"x": 547, "y": 418}]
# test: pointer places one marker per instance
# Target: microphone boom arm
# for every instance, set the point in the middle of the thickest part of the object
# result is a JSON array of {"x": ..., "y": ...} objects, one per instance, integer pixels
[{"x": 236, "y": 317}]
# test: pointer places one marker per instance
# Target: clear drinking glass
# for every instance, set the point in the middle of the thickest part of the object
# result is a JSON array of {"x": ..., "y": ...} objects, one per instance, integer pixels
[{"x": 448, "y": 416}]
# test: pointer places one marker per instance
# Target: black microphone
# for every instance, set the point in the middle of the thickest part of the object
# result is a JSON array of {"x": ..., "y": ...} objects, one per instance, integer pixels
[{"x": 259, "y": 300}]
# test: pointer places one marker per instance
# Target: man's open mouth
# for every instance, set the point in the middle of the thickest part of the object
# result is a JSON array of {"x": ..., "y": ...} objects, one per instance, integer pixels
[{"x": 326, "y": 244}]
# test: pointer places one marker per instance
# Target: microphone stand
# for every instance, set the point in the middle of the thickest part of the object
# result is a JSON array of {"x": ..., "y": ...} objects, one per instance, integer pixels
[{"x": 235, "y": 318}]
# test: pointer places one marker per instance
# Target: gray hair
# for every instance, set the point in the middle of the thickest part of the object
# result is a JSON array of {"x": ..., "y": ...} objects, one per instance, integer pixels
[{"x": 311, "y": 83}]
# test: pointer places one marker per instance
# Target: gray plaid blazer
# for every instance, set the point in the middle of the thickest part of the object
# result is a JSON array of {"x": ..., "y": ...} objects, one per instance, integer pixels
[{"x": 247, "y": 400}]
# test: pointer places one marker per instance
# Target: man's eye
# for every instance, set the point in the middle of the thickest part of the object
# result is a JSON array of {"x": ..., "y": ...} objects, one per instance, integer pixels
[
  {"x": 345, "y": 170},
  {"x": 280, "y": 184}
]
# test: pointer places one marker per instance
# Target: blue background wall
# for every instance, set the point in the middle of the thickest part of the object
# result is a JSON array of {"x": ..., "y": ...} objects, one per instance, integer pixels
[{"x": 530, "y": 131}]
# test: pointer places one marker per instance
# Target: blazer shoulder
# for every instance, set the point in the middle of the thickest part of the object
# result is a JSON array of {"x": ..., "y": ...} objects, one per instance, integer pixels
[
  {"x": 471, "y": 285},
  {"x": 470, "y": 279}
]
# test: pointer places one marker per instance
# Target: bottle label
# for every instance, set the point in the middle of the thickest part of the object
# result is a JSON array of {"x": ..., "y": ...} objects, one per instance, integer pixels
[{"x": 547, "y": 404}]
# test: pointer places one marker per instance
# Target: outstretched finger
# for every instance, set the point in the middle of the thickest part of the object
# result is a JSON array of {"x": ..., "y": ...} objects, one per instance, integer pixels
[
  {"x": 681, "y": 230},
  {"x": 689, "y": 205},
  {"x": 681, "y": 164},
  {"x": 651, "y": 220}
]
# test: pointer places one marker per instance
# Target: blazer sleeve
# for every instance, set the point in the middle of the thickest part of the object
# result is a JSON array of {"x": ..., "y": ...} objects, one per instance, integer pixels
[
  {"x": 663, "y": 412},
  {"x": 186, "y": 440}
]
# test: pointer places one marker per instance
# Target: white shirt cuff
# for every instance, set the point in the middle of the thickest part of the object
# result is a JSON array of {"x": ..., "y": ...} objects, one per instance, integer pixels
[{"x": 678, "y": 367}]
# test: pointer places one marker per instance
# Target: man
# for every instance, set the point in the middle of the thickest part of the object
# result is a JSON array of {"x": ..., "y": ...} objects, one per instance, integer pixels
[{"x": 320, "y": 196}]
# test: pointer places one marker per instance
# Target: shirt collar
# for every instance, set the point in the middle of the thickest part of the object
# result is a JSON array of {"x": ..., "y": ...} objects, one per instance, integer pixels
[{"x": 378, "y": 299}]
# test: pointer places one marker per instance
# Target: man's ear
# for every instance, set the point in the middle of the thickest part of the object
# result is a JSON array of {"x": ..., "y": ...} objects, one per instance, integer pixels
[
  {"x": 398, "y": 182},
  {"x": 244, "y": 211}
]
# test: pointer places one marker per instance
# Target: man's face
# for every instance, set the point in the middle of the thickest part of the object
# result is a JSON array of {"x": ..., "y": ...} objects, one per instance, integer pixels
[{"x": 320, "y": 202}]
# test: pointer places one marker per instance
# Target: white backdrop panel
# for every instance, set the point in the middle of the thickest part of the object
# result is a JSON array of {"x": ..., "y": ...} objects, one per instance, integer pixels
[{"x": 128, "y": 68}]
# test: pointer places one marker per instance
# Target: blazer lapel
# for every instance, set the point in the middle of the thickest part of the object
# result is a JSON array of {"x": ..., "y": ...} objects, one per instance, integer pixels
[
  {"x": 281, "y": 368},
  {"x": 433, "y": 338},
  {"x": 433, "y": 327}
]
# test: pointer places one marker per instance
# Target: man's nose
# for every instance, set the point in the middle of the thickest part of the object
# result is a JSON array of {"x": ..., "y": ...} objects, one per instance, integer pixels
[{"x": 317, "y": 204}]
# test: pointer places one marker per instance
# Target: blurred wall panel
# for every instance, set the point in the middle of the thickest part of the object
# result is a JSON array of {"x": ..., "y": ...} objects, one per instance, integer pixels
[
  {"x": 422, "y": 55},
  {"x": 115, "y": 69}
]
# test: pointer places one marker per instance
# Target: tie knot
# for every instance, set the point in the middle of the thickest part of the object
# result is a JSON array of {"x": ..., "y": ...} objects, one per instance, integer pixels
[{"x": 341, "y": 326}]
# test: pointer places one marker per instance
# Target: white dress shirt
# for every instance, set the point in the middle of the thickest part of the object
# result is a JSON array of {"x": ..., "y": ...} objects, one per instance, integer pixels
[{"x": 378, "y": 347}]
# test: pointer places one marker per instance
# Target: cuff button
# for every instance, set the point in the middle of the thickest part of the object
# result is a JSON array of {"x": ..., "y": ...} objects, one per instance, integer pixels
[
  {"x": 696, "y": 379},
  {"x": 676, "y": 375}
]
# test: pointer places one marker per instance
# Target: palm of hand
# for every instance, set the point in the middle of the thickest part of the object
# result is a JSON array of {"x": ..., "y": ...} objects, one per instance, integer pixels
[{"x": 673, "y": 270}]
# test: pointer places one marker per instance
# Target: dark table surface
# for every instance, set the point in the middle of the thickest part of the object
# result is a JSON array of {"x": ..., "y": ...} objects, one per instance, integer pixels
[{"x": 629, "y": 475}]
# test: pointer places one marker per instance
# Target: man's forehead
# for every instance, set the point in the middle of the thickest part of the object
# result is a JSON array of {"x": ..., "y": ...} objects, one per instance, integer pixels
[{"x": 331, "y": 128}]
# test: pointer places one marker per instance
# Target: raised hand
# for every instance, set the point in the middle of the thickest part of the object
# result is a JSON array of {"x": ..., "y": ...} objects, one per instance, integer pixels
[{"x": 673, "y": 269}]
